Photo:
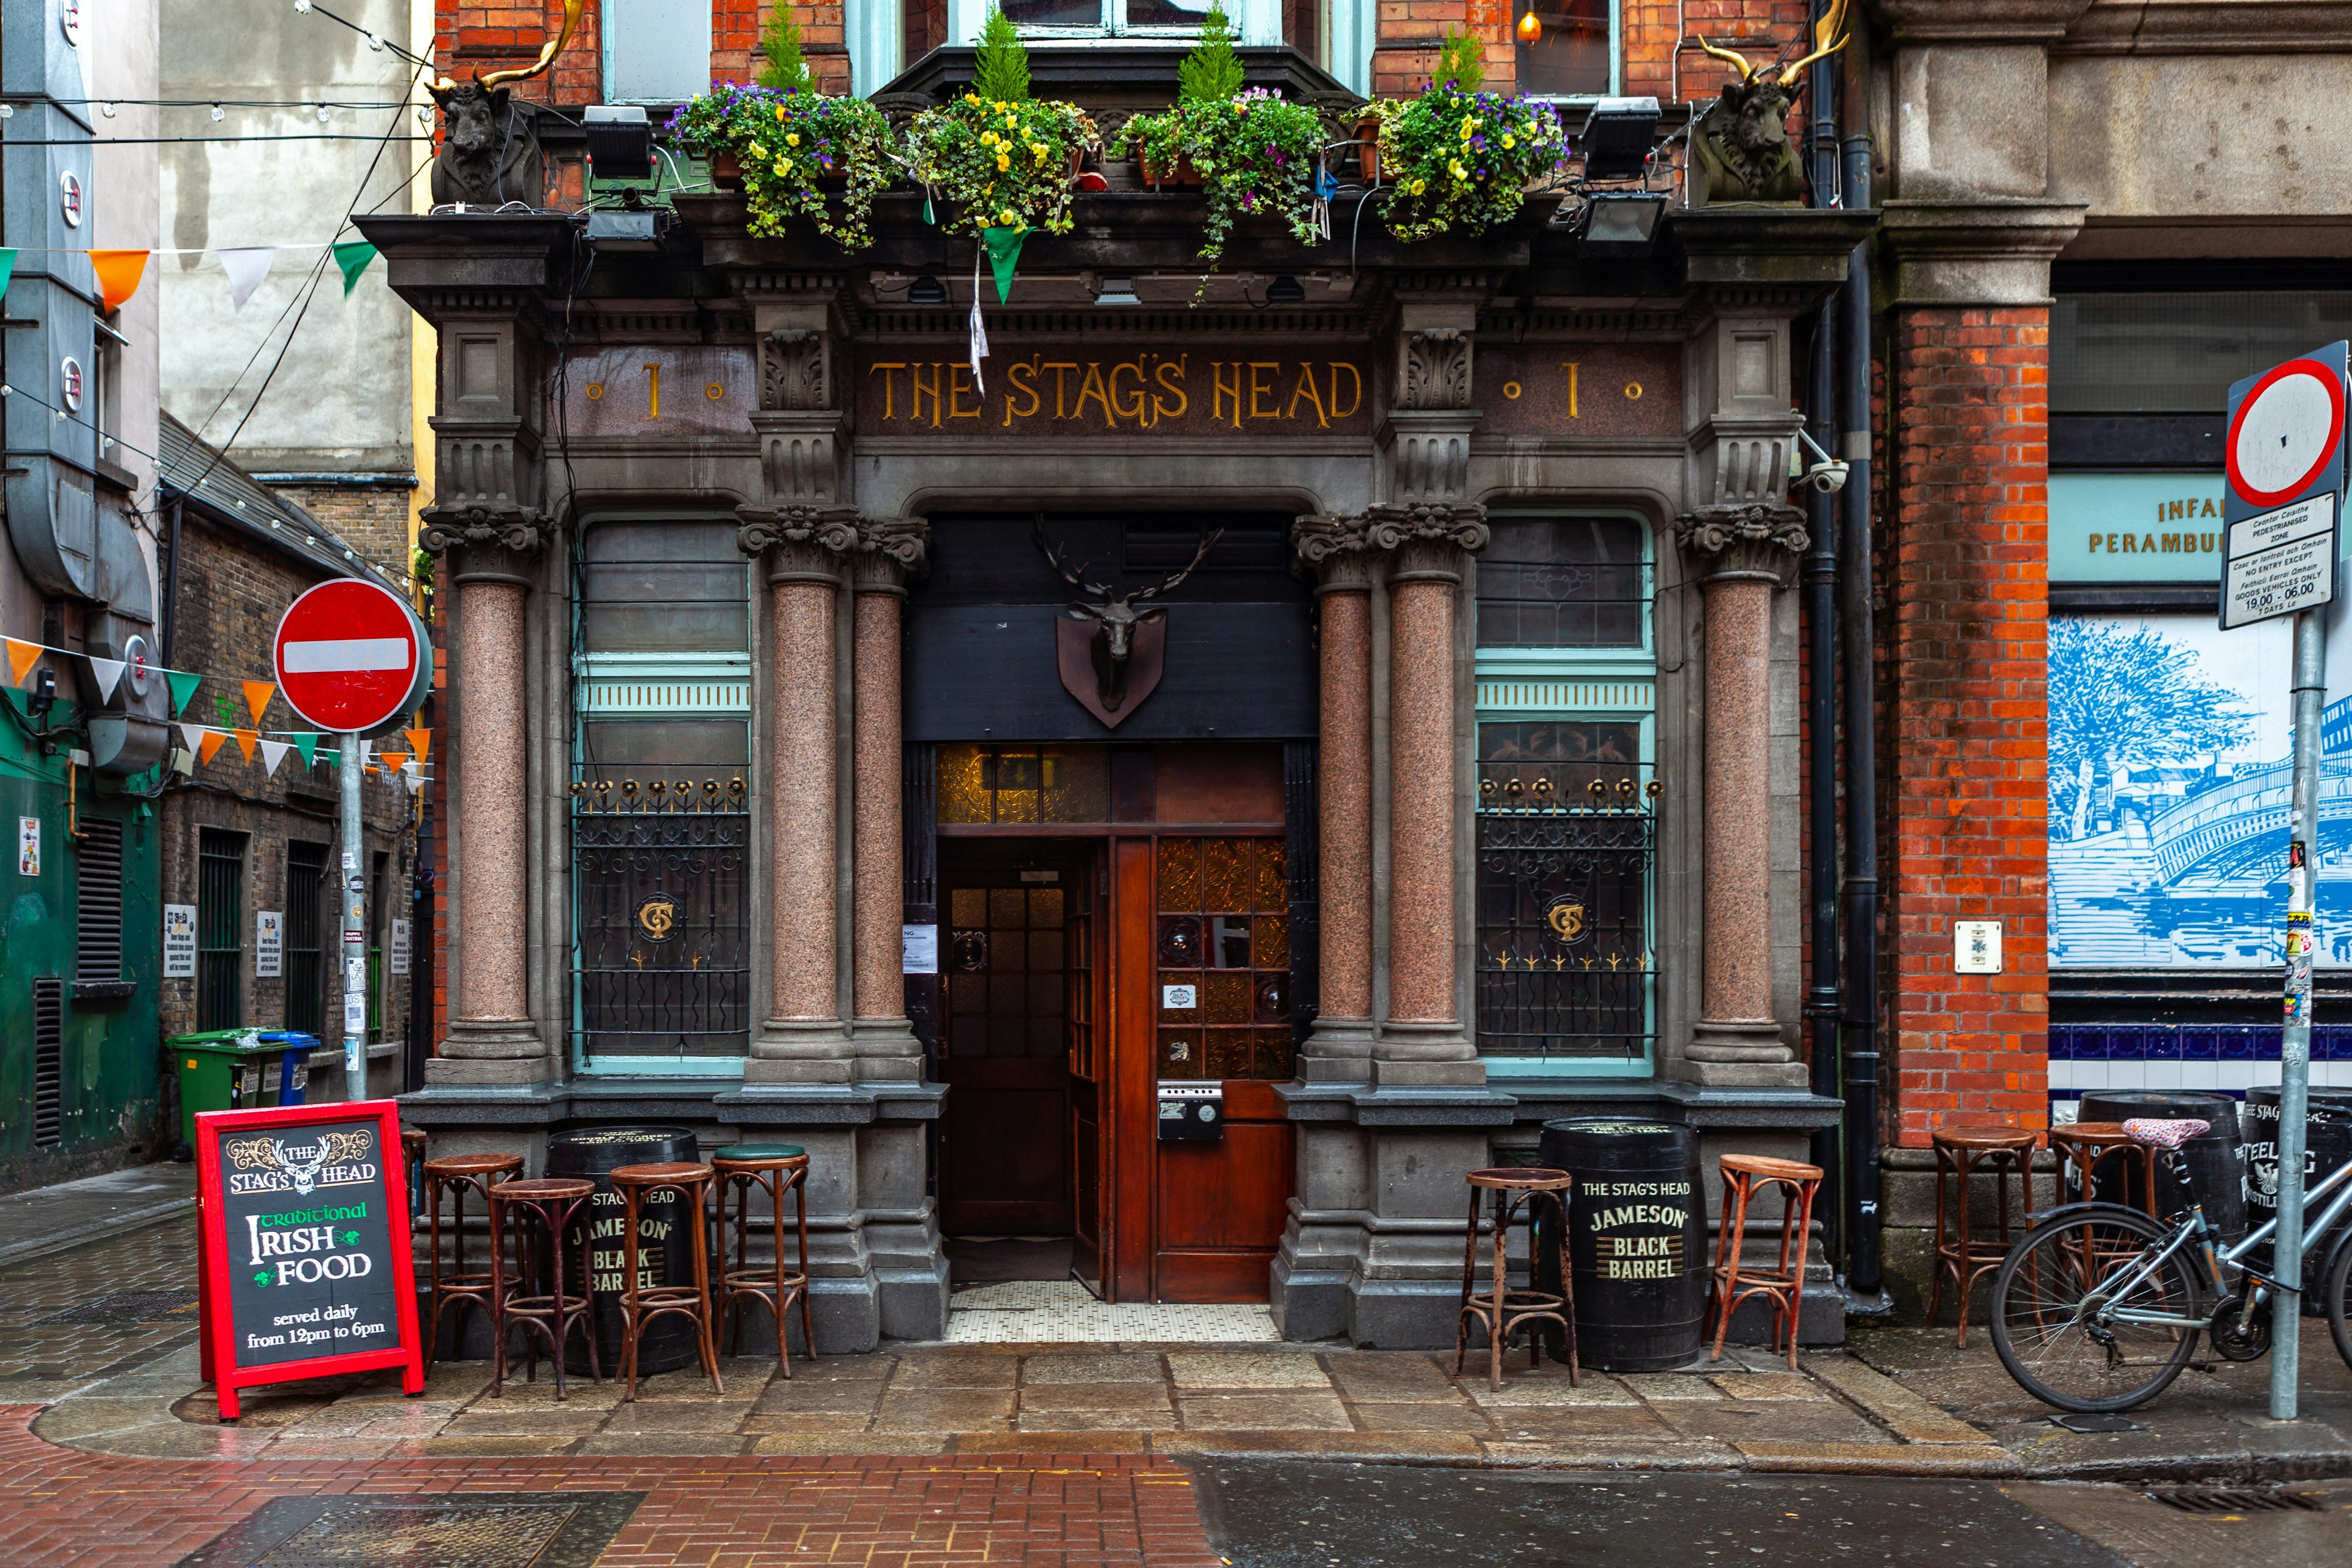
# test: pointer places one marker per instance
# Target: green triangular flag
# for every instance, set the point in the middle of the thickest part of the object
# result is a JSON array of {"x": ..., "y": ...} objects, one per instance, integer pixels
[
  {"x": 184, "y": 685},
  {"x": 354, "y": 256},
  {"x": 7, "y": 266},
  {"x": 1003, "y": 255},
  {"x": 307, "y": 745},
  {"x": 927, "y": 206}
]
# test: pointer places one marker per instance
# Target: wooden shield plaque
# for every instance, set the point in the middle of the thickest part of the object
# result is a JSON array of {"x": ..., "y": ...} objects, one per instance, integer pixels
[{"x": 1075, "y": 640}]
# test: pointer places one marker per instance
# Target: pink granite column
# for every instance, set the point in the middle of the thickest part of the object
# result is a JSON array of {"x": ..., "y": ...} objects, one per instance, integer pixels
[
  {"x": 1739, "y": 554},
  {"x": 882, "y": 1038},
  {"x": 493, "y": 838},
  {"x": 1340, "y": 1048},
  {"x": 803, "y": 1040}
]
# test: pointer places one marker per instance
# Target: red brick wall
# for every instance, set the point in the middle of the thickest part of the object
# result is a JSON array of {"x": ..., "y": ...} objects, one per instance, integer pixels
[
  {"x": 483, "y": 38},
  {"x": 1966, "y": 630},
  {"x": 1759, "y": 30}
]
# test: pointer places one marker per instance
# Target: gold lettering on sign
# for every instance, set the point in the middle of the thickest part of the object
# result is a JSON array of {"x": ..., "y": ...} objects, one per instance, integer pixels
[
  {"x": 1138, "y": 411},
  {"x": 915, "y": 380},
  {"x": 653, "y": 391},
  {"x": 1257, "y": 388},
  {"x": 1140, "y": 392},
  {"x": 1217, "y": 398},
  {"x": 1355, "y": 389},
  {"x": 1570, "y": 365},
  {"x": 1306, "y": 391},
  {"x": 1023, "y": 377},
  {"x": 1092, "y": 387},
  {"x": 888, "y": 386},
  {"x": 1160, "y": 408},
  {"x": 1057, "y": 367},
  {"x": 956, "y": 389}
]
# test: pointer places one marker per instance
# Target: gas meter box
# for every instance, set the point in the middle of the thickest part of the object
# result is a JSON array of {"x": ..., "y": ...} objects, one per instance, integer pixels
[{"x": 1192, "y": 1113}]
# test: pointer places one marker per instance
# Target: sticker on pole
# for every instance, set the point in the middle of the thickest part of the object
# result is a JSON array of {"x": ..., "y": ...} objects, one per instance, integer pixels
[
  {"x": 2283, "y": 506},
  {"x": 352, "y": 658}
]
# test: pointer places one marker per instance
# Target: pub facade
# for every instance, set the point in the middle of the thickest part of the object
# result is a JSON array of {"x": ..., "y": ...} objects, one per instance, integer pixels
[{"x": 1358, "y": 691}]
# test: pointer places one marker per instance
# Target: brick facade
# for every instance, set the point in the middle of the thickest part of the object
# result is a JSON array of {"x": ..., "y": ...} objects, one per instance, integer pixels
[
  {"x": 372, "y": 519},
  {"x": 1967, "y": 629}
]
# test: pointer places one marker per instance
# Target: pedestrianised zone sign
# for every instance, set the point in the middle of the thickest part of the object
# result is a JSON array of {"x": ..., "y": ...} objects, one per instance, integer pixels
[{"x": 2280, "y": 511}]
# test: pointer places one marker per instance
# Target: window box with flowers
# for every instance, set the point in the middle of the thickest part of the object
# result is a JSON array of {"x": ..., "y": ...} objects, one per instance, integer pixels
[
  {"x": 792, "y": 149},
  {"x": 1461, "y": 162}
]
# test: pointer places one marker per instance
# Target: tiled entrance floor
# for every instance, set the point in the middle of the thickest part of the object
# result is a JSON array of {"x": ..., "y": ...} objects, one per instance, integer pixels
[{"x": 1036, "y": 1311}]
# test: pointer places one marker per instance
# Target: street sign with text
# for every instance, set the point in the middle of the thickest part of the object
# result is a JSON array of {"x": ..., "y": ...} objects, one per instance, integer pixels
[{"x": 2281, "y": 508}]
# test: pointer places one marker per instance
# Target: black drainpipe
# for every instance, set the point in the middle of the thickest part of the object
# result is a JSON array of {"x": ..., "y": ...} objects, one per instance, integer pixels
[
  {"x": 171, "y": 585},
  {"x": 1863, "y": 1285}
]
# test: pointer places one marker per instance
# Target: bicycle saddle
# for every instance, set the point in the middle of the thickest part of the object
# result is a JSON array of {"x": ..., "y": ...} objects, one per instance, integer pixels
[{"x": 2159, "y": 1133}]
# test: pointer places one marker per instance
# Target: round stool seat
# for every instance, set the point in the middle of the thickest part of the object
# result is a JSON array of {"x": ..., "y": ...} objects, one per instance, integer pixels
[
  {"x": 2090, "y": 1132},
  {"x": 461, "y": 1165},
  {"x": 658, "y": 1175},
  {"x": 1521, "y": 1179},
  {"x": 1990, "y": 1138},
  {"x": 1766, "y": 1168},
  {"x": 545, "y": 1189},
  {"x": 744, "y": 1151}
]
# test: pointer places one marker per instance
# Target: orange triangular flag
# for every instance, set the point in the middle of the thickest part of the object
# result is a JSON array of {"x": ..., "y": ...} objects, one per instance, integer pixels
[
  {"x": 393, "y": 761},
  {"x": 119, "y": 272},
  {"x": 210, "y": 746},
  {"x": 256, "y": 696},
  {"x": 420, "y": 739},
  {"x": 22, "y": 657},
  {"x": 244, "y": 742}
]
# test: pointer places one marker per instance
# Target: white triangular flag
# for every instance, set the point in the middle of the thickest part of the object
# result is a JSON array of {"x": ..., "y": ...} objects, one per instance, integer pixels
[
  {"x": 246, "y": 267},
  {"x": 272, "y": 754},
  {"x": 979, "y": 328},
  {"x": 193, "y": 734},
  {"x": 109, "y": 671}
]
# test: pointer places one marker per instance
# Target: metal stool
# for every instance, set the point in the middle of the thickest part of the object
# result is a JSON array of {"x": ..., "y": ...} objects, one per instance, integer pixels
[
  {"x": 458, "y": 1175},
  {"x": 1501, "y": 1308},
  {"x": 2001, "y": 1150},
  {"x": 552, "y": 1310},
  {"x": 642, "y": 1304},
  {"x": 1744, "y": 1175},
  {"x": 2083, "y": 1146},
  {"x": 775, "y": 1169}
]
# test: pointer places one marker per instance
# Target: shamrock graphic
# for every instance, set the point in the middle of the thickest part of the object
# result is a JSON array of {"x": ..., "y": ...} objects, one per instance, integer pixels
[
  {"x": 350, "y": 1238},
  {"x": 262, "y": 1278}
]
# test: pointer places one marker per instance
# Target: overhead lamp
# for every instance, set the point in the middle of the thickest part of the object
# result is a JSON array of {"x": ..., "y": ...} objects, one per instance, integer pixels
[
  {"x": 1618, "y": 137},
  {"x": 1117, "y": 291},
  {"x": 926, "y": 290},
  {"x": 1620, "y": 222},
  {"x": 620, "y": 141},
  {"x": 1531, "y": 28},
  {"x": 1286, "y": 290}
]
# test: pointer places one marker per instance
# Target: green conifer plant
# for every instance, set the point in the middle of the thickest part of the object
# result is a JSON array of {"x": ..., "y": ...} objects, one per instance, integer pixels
[
  {"x": 1461, "y": 61},
  {"x": 787, "y": 69},
  {"x": 1001, "y": 70},
  {"x": 1212, "y": 72}
]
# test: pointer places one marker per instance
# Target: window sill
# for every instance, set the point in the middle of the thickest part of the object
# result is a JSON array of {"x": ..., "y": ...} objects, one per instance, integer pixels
[{"x": 104, "y": 990}]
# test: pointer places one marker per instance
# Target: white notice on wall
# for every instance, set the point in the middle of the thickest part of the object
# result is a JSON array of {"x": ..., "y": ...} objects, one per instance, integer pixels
[
  {"x": 398, "y": 956},
  {"x": 1976, "y": 947},
  {"x": 28, "y": 846},
  {"x": 268, "y": 944},
  {"x": 1178, "y": 998},
  {"x": 179, "y": 941},
  {"x": 918, "y": 950}
]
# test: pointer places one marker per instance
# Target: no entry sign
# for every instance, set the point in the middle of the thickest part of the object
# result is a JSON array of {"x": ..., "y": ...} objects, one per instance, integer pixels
[
  {"x": 352, "y": 657},
  {"x": 2286, "y": 458}
]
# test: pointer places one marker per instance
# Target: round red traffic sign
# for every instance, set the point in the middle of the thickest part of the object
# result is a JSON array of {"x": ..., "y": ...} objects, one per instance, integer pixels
[
  {"x": 352, "y": 657},
  {"x": 2285, "y": 432}
]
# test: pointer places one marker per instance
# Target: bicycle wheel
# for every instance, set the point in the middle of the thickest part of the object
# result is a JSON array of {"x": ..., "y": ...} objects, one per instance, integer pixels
[
  {"x": 2046, "y": 1325},
  {"x": 2340, "y": 1299}
]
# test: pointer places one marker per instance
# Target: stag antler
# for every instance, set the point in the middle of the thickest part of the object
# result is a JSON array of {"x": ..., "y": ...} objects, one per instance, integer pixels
[
  {"x": 1747, "y": 71},
  {"x": 1823, "y": 31},
  {"x": 1208, "y": 543},
  {"x": 547, "y": 54},
  {"x": 1074, "y": 578}
]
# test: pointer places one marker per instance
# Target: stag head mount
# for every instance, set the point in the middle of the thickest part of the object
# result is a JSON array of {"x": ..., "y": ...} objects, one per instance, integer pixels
[
  {"x": 1740, "y": 150},
  {"x": 1116, "y": 619},
  {"x": 490, "y": 154}
]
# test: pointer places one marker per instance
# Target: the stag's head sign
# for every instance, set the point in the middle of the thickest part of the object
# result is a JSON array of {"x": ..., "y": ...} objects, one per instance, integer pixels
[
  {"x": 1112, "y": 647},
  {"x": 305, "y": 1256}
]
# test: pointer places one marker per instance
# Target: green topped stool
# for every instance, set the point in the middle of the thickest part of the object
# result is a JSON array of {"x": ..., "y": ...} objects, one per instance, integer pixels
[{"x": 775, "y": 1169}]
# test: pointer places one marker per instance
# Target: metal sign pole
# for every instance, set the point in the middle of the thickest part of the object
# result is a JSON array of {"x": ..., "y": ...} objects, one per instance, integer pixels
[
  {"x": 355, "y": 904},
  {"x": 2295, "y": 1053}
]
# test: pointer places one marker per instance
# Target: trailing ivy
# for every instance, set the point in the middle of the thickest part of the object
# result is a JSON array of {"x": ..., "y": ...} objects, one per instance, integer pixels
[
  {"x": 1255, "y": 154},
  {"x": 791, "y": 145},
  {"x": 1461, "y": 161}
]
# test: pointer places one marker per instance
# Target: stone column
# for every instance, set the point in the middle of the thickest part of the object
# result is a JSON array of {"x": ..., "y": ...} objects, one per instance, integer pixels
[
  {"x": 1337, "y": 550},
  {"x": 803, "y": 1040},
  {"x": 1423, "y": 1039},
  {"x": 492, "y": 1038},
  {"x": 1741, "y": 556},
  {"x": 883, "y": 1041}
]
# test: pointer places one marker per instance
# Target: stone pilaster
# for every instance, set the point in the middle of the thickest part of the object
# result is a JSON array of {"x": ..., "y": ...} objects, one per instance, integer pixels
[
  {"x": 493, "y": 556},
  {"x": 888, "y": 551}
]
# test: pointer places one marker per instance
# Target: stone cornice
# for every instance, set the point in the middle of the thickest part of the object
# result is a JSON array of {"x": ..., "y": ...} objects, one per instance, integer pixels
[
  {"x": 2210, "y": 27},
  {"x": 1992, "y": 251},
  {"x": 1977, "y": 21},
  {"x": 1783, "y": 247}
]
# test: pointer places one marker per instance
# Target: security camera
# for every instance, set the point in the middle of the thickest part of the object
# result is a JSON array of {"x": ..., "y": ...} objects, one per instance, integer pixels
[{"x": 1828, "y": 478}]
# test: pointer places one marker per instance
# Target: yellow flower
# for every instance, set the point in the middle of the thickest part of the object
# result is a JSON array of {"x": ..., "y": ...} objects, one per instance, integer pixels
[
  {"x": 1454, "y": 168},
  {"x": 1509, "y": 141},
  {"x": 780, "y": 111},
  {"x": 1419, "y": 187},
  {"x": 1003, "y": 162},
  {"x": 782, "y": 168},
  {"x": 1009, "y": 217},
  {"x": 792, "y": 138},
  {"x": 968, "y": 97},
  {"x": 988, "y": 138},
  {"x": 999, "y": 103}
]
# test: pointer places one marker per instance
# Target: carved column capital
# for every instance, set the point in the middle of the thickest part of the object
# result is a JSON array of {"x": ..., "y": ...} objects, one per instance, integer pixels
[
  {"x": 1743, "y": 542},
  {"x": 799, "y": 544},
  {"x": 1433, "y": 368},
  {"x": 796, "y": 370},
  {"x": 1428, "y": 540},
  {"x": 890, "y": 550},
  {"x": 484, "y": 544}
]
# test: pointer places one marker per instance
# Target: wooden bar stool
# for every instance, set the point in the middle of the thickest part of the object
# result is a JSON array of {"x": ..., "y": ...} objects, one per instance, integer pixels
[
  {"x": 456, "y": 1176},
  {"x": 774, "y": 1169},
  {"x": 1500, "y": 1309},
  {"x": 411, "y": 1157},
  {"x": 551, "y": 1309},
  {"x": 2003, "y": 1151},
  {"x": 1745, "y": 1175},
  {"x": 2083, "y": 1146},
  {"x": 642, "y": 1304}
]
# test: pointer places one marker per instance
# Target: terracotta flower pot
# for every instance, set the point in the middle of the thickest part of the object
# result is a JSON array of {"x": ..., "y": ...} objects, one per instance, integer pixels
[
  {"x": 1181, "y": 176},
  {"x": 1368, "y": 147},
  {"x": 727, "y": 170}
]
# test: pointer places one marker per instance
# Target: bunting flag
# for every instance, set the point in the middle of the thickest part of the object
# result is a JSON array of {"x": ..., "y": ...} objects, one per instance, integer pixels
[
  {"x": 978, "y": 328},
  {"x": 352, "y": 257},
  {"x": 22, "y": 657},
  {"x": 183, "y": 684},
  {"x": 191, "y": 736},
  {"x": 393, "y": 761},
  {"x": 1003, "y": 256},
  {"x": 256, "y": 696},
  {"x": 307, "y": 744},
  {"x": 119, "y": 272},
  {"x": 420, "y": 742},
  {"x": 209, "y": 743},
  {"x": 7, "y": 266},
  {"x": 272, "y": 754},
  {"x": 247, "y": 266},
  {"x": 246, "y": 740},
  {"x": 109, "y": 674}
]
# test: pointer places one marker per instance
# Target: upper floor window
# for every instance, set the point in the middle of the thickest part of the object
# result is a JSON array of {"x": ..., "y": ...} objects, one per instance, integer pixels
[
  {"x": 1563, "y": 583},
  {"x": 1107, "y": 16},
  {"x": 1566, "y": 49},
  {"x": 655, "y": 51}
]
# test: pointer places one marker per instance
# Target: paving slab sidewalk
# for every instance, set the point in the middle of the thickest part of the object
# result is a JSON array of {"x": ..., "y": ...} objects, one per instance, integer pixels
[{"x": 42, "y": 1221}]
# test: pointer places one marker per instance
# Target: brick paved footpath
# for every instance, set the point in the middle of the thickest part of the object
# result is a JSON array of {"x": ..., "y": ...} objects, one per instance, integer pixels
[{"x": 63, "y": 1506}]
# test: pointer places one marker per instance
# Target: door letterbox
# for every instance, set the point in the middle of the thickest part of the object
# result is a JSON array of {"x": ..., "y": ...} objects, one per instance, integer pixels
[{"x": 1192, "y": 1113}]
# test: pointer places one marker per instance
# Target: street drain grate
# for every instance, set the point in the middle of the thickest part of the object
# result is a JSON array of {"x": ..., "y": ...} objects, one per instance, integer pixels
[
  {"x": 2233, "y": 1499},
  {"x": 127, "y": 1307},
  {"x": 489, "y": 1530}
]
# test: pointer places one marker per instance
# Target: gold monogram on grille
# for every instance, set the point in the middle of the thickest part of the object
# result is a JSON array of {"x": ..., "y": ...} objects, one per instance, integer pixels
[
  {"x": 657, "y": 918},
  {"x": 1566, "y": 919}
]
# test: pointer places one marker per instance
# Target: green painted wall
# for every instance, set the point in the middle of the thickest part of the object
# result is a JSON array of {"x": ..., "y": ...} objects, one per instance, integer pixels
[{"x": 110, "y": 1111}]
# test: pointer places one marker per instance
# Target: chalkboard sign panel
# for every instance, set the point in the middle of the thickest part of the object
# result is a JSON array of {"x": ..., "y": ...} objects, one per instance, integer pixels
[{"x": 303, "y": 1246}]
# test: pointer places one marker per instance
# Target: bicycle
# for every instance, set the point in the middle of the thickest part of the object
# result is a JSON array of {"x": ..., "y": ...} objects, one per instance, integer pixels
[{"x": 2098, "y": 1307}]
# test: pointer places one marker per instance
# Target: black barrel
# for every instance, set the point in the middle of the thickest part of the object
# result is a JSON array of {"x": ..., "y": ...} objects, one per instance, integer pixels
[
  {"x": 2217, "y": 1164},
  {"x": 1636, "y": 1239},
  {"x": 668, "y": 1229},
  {"x": 2328, "y": 1148}
]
